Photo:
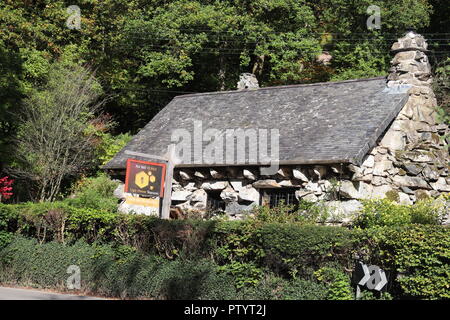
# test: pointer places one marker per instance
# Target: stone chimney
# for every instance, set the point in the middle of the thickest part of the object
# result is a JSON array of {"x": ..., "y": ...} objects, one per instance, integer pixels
[
  {"x": 410, "y": 162},
  {"x": 247, "y": 81},
  {"x": 411, "y": 71},
  {"x": 410, "y": 64},
  {"x": 414, "y": 141}
]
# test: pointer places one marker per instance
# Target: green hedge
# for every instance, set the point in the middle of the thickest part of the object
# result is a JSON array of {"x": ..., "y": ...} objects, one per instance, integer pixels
[
  {"x": 246, "y": 252},
  {"x": 303, "y": 249},
  {"x": 124, "y": 272},
  {"x": 419, "y": 257}
]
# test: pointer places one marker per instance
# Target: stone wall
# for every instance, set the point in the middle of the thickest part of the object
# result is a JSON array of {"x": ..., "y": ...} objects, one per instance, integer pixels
[
  {"x": 412, "y": 157},
  {"x": 242, "y": 188}
]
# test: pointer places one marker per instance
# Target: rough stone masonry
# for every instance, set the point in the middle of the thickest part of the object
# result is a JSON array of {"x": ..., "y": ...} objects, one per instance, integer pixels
[{"x": 409, "y": 162}]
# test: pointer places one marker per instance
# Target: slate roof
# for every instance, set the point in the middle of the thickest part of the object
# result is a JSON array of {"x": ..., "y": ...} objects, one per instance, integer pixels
[{"x": 333, "y": 122}]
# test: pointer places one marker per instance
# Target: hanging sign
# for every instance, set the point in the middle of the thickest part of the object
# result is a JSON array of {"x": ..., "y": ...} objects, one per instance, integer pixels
[{"x": 145, "y": 178}]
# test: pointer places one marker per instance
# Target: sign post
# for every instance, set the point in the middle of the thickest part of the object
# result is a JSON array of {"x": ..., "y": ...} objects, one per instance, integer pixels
[
  {"x": 165, "y": 211},
  {"x": 152, "y": 179}
]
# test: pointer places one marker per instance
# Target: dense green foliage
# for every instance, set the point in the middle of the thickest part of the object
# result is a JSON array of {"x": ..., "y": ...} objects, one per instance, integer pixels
[
  {"x": 338, "y": 283},
  {"x": 304, "y": 212},
  {"x": 441, "y": 87},
  {"x": 94, "y": 193},
  {"x": 123, "y": 272},
  {"x": 315, "y": 246},
  {"x": 384, "y": 212},
  {"x": 254, "y": 258},
  {"x": 113, "y": 271},
  {"x": 420, "y": 257}
]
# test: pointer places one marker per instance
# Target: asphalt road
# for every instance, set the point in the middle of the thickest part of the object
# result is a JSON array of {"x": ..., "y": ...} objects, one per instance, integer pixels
[{"x": 27, "y": 294}]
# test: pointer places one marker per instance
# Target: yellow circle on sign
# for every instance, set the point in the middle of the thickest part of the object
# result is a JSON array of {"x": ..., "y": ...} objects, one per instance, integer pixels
[{"x": 152, "y": 179}]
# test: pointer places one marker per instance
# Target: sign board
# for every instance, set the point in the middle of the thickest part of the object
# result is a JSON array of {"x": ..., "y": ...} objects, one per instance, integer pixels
[
  {"x": 145, "y": 178},
  {"x": 371, "y": 277},
  {"x": 151, "y": 179}
]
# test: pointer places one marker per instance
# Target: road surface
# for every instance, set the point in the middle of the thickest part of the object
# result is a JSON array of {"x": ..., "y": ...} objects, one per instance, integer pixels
[{"x": 28, "y": 294}]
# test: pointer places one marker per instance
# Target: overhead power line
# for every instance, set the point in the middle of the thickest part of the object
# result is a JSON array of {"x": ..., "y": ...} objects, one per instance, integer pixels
[
  {"x": 317, "y": 33},
  {"x": 235, "y": 38}
]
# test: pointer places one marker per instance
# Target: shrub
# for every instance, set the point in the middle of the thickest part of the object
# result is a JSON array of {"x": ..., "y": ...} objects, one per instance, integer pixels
[
  {"x": 419, "y": 257},
  {"x": 95, "y": 193},
  {"x": 283, "y": 213},
  {"x": 337, "y": 282},
  {"x": 43, "y": 221},
  {"x": 110, "y": 145},
  {"x": 5, "y": 188},
  {"x": 301, "y": 289},
  {"x": 113, "y": 271},
  {"x": 251, "y": 257},
  {"x": 291, "y": 249},
  {"x": 305, "y": 213},
  {"x": 5, "y": 239},
  {"x": 428, "y": 211},
  {"x": 384, "y": 212},
  {"x": 91, "y": 225},
  {"x": 194, "y": 280},
  {"x": 244, "y": 274},
  {"x": 237, "y": 241},
  {"x": 58, "y": 221},
  {"x": 187, "y": 239},
  {"x": 273, "y": 287},
  {"x": 236, "y": 247},
  {"x": 8, "y": 217},
  {"x": 26, "y": 262}
]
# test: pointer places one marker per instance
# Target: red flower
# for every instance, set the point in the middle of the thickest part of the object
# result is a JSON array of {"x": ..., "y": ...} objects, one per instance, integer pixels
[{"x": 5, "y": 187}]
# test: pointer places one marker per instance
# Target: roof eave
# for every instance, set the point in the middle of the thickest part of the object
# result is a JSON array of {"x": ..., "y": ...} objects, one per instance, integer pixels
[{"x": 265, "y": 164}]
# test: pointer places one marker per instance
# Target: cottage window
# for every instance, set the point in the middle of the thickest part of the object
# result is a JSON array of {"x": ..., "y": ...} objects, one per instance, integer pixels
[
  {"x": 214, "y": 202},
  {"x": 274, "y": 197}
]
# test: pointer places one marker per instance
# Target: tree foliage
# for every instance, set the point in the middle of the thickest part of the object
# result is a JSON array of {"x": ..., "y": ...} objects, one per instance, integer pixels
[
  {"x": 154, "y": 50},
  {"x": 53, "y": 140}
]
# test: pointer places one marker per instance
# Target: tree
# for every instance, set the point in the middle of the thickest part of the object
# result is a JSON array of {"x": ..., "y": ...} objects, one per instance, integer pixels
[
  {"x": 154, "y": 50},
  {"x": 441, "y": 87},
  {"x": 55, "y": 137},
  {"x": 10, "y": 95}
]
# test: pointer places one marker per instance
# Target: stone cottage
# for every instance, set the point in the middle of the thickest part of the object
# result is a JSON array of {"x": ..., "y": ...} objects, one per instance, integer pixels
[{"x": 339, "y": 142}]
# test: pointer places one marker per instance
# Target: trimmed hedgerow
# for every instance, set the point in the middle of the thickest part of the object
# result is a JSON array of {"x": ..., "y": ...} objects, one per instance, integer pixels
[
  {"x": 243, "y": 252},
  {"x": 123, "y": 272},
  {"x": 418, "y": 256},
  {"x": 300, "y": 250},
  {"x": 105, "y": 270}
]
